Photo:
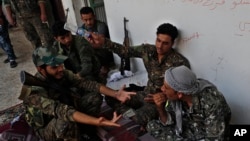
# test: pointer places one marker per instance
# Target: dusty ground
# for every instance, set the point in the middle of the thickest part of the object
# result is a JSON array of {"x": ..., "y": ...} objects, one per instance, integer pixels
[{"x": 10, "y": 84}]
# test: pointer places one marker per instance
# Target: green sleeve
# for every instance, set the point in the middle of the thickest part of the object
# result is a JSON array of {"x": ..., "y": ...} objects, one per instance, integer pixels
[
  {"x": 37, "y": 102},
  {"x": 81, "y": 82},
  {"x": 216, "y": 116},
  {"x": 86, "y": 54},
  {"x": 132, "y": 51}
]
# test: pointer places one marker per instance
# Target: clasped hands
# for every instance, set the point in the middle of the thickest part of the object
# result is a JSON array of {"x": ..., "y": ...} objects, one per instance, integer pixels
[{"x": 158, "y": 98}]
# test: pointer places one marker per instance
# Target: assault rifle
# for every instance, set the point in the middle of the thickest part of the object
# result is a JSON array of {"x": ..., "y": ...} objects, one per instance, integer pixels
[
  {"x": 67, "y": 95},
  {"x": 125, "y": 60}
]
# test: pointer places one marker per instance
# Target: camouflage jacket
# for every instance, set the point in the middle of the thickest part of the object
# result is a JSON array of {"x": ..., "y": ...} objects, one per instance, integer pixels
[
  {"x": 43, "y": 103},
  {"x": 24, "y": 8},
  {"x": 81, "y": 58},
  {"x": 208, "y": 118},
  {"x": 148, "y": 54}
]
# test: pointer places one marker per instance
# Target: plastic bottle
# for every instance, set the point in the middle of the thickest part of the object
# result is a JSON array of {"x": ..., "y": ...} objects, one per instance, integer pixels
[
  {"x": 82, "y": 32},
  {"x": 77, "y": 30}
]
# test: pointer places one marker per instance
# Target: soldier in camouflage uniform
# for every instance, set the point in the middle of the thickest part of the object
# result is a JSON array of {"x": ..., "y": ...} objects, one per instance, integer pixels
[
  {"x": 91, "y": 24},
  {"x": 156, "y": 58},
  {"x": 31, "y": 15},
  {"x": 195, "y": 109},
  {"x": 47, "y": 113},
  {"x": 81, "y": 57},
  {"x": 82, "y": 61}
]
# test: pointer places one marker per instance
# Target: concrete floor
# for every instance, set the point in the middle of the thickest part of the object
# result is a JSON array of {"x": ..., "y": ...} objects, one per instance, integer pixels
[{"x": 10, "y": 85}]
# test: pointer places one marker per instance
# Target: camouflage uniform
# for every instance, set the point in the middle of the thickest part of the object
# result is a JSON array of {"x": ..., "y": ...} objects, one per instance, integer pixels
[
  {"x": 146, "y": 111},
  {"x": 82, "y": 60},
  {"x": 208, "y": 119},
  {"x": 28, "y": 15},
  {"x": 50, "y": 118},
  {"x": 106, "y": 57}
]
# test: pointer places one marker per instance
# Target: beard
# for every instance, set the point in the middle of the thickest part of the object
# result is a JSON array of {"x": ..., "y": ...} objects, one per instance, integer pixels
[{"x": 52, "y": 77}]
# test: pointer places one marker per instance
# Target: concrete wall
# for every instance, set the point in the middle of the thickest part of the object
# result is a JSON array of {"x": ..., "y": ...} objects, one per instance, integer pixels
[
  {"x": 73, "y": 14},
  {"x": 214, "y": 36}
]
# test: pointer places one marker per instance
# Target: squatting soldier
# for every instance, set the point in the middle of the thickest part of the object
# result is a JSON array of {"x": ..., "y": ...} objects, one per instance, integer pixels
[
  {"x": 91, "y": 24},
  {"x": 50, "y": 117},
  {"x": 156, "y": 58},
  {"x": 83, "y": 62},
  {"x": 195, "y": 110},
  {"x": 31, "y": 15}
]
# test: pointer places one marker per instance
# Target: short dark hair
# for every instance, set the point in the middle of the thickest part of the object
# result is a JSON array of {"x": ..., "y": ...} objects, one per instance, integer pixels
[
  {"x": 169, "y": 29},
  {"x": 58, "y": 29},
  {"x": 86, "y": 10}
]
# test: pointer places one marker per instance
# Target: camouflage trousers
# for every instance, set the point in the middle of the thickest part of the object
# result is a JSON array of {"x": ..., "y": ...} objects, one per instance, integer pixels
[
  {"x": 167, "y": 133},
  {"x": 58, "y": 129},
  {"x": 36, "y": 32},
  {"x": 143, "y": 111},
  {"x": 162, "y": 133},
  {"x": 89, "y": 103}
]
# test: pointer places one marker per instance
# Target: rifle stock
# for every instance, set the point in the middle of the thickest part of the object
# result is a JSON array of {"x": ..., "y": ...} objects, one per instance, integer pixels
[{"x": 125, "y": 60}]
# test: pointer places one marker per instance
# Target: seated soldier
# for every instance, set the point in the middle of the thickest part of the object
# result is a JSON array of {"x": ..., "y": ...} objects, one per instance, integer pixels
[
  {"x": 49, "y": 111},
  {"x": 195, "y": 109},
  {"x": 83, "y": 61}
]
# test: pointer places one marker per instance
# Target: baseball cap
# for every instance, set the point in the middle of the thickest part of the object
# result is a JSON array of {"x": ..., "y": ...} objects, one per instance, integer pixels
[{"x": 48, "y": 56}]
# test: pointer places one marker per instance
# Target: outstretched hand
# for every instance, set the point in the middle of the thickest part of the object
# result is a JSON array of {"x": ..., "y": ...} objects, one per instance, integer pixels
[
  {"x": 123, "y": 95},
  {"x": 104, "y": 122}
]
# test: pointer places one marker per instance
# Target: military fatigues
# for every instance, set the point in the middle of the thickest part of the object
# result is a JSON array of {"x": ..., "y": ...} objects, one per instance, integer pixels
[
  {"x": 28, "y": 15},
  {"x": 49, "y": 117},
  {"x": 147, "y": 111},
  {"x": 106, "y": 57},
  {"x": 82, "y": 60},
  {"x": 208, "y": 119}
]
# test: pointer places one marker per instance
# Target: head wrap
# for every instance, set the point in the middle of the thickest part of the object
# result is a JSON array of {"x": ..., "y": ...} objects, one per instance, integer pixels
[{"x": 183, "y": 80}]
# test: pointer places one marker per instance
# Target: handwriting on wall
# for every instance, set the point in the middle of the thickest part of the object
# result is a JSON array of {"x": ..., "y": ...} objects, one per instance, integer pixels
[
  {"x": 217, "y": 67},
  {"x": 244, "y": 28},
  {"x": 214, "y": 4},
  {"x": 187, "y": 39}
]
